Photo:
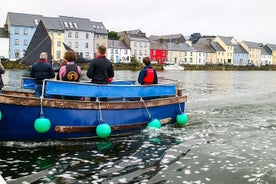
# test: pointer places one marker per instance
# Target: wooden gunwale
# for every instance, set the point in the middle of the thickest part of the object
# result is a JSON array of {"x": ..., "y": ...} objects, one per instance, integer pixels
[{"x": 23, "y": 98}]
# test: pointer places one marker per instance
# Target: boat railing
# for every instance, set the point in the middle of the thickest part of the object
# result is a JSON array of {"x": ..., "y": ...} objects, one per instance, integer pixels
[{"x": 79, "y": 89}]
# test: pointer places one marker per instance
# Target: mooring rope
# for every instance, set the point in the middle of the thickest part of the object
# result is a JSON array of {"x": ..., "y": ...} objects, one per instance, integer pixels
[
  {"x": 100, "y": 110},
  {"x": 179, "y": 104},
  {"x": 142, "y": 100}
]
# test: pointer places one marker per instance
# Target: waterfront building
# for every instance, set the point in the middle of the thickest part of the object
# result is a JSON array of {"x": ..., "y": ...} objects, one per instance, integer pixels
[
  {"x": 271, "y": 49},
  {"x": 56, "y": 33},
  {"x": 79, "y": 35},
  {"x": 201, "y": 54},
  {"x": 118, "y": 51},
  {"x": 240, "y": 55},
  {"x": 181, "y": 53},
  {"x": 4, "y": 42},
  {"x": 175, "y": 38},
  {"x": 138, "y": 43},
  {"x": 204, "y": 44},
  {"x": 227, "y": 43},
  {"x": 21, "y": 28},
  {"x": 254, "y": 52},
  {"x": 100, "y": 35},
  {"x": 158, "y": 51},
  {"x": 266, "y": 57}
]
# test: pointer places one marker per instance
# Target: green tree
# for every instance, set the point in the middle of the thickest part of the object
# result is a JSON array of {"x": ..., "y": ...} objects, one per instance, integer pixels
[{"x": 112, "y": 35}]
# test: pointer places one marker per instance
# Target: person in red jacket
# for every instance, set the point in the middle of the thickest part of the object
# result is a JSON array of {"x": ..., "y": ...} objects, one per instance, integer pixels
[{"x": 147, "y": 75}]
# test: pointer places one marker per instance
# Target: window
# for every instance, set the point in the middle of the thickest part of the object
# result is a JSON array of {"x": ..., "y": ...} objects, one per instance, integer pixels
[
  {"x": 191, "y": 54},
  {"x": 116, "y": 51},
  {"x": 69, "y": 34},
  {"x": 140, "y": 52},
  {"x": 66, "y": 24},
  {"x": 97, "y": 45},
  {"x": 141, "y": 44},
  {"x": 76, "y": 44},
  {"x": 199, "y": 60},
  {"x": 87, "y": 35},
  {"x": 76, "y": 26},
  {"x": 87, "y": 54},
  {"x": 76, "y": 34},
  {"x": 59, "y": 33},
  {"x": 111, "y": 51},
  {"x": 25, "y": 31},
  {"x": 154, "y": 52},
  {"x": 69, "y": 44},
  {"x": 16, "y": 53},
  {"x": 125, "y": 51},
  {"x": 16, "y": 31},
  {"x": 163, "y": 53},
  {"x": 71, "y": 25},
  {"x": 36, "y": 22},
  {"x": 135, "y": 52},
  {"x": 86, "y": 45},
  {"x": 58, "y": 54},
  {"x": 25, "y": 42},
  {"x": 16, "y": 42},
  {"x": 191, "y": 60},
  {"x": 199, "y": 54},
  {"x": 146, "y": 52}
]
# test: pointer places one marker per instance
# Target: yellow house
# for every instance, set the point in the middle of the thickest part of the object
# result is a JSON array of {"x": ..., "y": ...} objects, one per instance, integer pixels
[
  {"x": 254, "y": 51},
  {"x": 56, "y": 33},
  {"x": 211, "y": 49},
  {"x": 272, "y": 49},
  {"x": 227, "y": 43}
]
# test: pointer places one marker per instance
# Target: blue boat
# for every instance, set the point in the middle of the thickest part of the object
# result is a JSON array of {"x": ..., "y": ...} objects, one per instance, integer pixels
[{"x": 120, "y": 108}]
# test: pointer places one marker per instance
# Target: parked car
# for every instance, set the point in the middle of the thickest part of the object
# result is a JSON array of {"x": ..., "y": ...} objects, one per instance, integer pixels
[{"x": 3, "y": 58}]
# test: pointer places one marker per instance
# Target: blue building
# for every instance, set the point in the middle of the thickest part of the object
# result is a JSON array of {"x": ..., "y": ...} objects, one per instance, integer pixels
[
  {"x": 21, "y": 28},
  {"x": 240, "y": 55}
]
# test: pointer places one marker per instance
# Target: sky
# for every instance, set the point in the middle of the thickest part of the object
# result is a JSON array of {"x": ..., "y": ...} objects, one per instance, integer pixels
[{"x": 250, "y": 20}]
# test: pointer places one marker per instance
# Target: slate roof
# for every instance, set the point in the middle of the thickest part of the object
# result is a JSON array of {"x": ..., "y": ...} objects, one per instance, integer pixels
[
  {"x": 166, "y": 37},
  {"x": 117, "y": 44},
  {"x": 22, "y": 19},
  {"x": 203, "y": 48},
  {"x": 53, "y": 23},
  {"x": 252, "y": 45},
  {"x": 271, "y": 46},
  {"x": 3, "y": 33},
  {"x": 179, "y": 47},
  {"x": 99, "y": 27},
  {"x": 135, "y": 37},
  {"x": 239, "y": 49},
  {"x": 227, "y": 40},
  {"x": 157, "y": 45},
  {"x": 75, "y": 23},
  {"x": 264, "y": 52},
  {"x": 216, "y": 46}
]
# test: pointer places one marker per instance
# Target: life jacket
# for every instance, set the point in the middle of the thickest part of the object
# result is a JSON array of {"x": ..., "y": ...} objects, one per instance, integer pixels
[
  {"x": 149, "y": 78},
  {"x": 72, "y": 73}
]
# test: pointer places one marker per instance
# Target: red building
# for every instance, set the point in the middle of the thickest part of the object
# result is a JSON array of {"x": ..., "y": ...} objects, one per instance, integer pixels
[{"x": 159, "y": 51}]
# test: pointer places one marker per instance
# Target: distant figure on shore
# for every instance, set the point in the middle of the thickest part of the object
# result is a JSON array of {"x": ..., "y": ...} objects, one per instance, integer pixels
[
  {"x": 100, "y": 69},
  {"x": 41, "y": 70},
  {"x": 2, "y": 71},
  {"x": 70, "y": 71},
  {"x": 147, "y": 75}
]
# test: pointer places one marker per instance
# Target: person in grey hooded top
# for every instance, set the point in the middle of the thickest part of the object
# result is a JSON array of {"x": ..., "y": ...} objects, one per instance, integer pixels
[{"x": 2, "y": 71}]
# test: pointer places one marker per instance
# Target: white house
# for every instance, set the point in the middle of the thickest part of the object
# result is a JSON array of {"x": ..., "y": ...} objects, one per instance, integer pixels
[
  {"x": 79, "y": 35},
  {"x": 4, "y": 42},
  {"x": 266, "y": 57},
  {"x": 118, "y": 51}
]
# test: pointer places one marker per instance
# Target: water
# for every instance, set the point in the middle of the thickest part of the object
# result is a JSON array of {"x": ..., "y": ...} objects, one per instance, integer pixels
[{"x": 230, "y": 138}]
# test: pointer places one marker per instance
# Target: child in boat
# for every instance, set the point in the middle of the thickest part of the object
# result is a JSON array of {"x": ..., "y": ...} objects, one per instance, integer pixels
[
  {"x": 2, "y": 71},
  {"x": 147, "y": 75}
]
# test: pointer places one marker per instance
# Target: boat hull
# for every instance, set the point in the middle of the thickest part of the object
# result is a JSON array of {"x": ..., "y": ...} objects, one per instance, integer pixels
[{"x": 76, "y": 119}]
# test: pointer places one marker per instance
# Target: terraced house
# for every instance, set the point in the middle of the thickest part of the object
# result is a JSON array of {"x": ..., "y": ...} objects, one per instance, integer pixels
[
  {"x": 204, "y": 45},
  {"x": 118, "y": 51},
  {"x": 254, "y": 52},
  {"x": 100, "y": 35},
  {"x": 240, "y": 55},
  {"x": 271, "y": 49},
  {"x": 227, "y": 43}
]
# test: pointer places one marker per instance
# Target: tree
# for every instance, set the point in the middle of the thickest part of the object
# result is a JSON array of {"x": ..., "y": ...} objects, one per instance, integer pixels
[{"x": 112, "y": 35}]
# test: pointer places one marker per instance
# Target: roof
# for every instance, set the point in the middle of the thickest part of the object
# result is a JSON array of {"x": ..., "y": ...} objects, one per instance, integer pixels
[
  {"x": 117, "y": 44},
  {"x": 264, "y": 52},
  {"x": 166, "y": 37},
  {"x": 136, "y": 37},
  {"x": 53, "y": 23},
  {"x": 22, "y": 19},
  {"x": 75, "y": 23},
  {"x": 226, "y": 40},
  {"x": 216, "y": 46},
  {"x": 180, "y": 47},
  {"x": 203, "y": 48},
  {"x": 157, "y": 45},
  {"x": 239, "y": 49},
  {"x": 99, "y": 27},
  {"x": 252, "y": 45},
  {"x": 3, "y": 33},
  {"x": 271, "y": 46}
]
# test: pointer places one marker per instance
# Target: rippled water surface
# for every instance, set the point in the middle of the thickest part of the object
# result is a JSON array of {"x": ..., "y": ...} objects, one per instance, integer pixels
[{"x": 230, "y": 138}]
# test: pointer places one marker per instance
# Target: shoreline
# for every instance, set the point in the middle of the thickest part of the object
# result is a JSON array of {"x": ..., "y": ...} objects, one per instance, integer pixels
[{"x": 137, "y": 67}]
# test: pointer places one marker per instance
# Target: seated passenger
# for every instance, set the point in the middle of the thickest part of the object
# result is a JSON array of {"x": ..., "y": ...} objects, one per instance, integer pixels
[
  {"x": 147, "y": 75},
  {"x": 70, "y": 71}
]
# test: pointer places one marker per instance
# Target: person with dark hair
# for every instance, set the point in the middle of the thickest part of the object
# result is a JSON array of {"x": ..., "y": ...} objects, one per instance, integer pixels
[
  {"x": 70, "y": 71},
  {"x": 147, "y": 75},
  {"x": 41, "y": 70},
  {"x": 100, "y": 70},
  {"x": 2, "y": 71}
]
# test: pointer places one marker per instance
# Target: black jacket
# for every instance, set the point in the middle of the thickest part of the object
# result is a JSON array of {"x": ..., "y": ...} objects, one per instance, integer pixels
[
  {"x": 100, "y": 69},
  {"x": 41, "y": 70},
  {"x": 2, "y": 71}
]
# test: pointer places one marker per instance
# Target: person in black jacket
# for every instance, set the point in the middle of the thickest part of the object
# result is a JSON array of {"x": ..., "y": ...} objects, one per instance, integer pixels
[
  {"x": 100, "y": 69},
  {"x": 2, "y": 71},
  {"x": 41, "y": 70}
]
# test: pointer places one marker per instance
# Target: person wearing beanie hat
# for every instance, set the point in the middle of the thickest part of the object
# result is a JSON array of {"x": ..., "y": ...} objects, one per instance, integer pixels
[{"x": 41, "y": 70}]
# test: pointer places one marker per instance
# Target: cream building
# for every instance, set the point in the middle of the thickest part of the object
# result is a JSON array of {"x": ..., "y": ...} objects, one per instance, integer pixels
[
  {"x": 254, "y": 52},
  {"x": 100, "y": 35},
  {"x": 228, "y": 45}
]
